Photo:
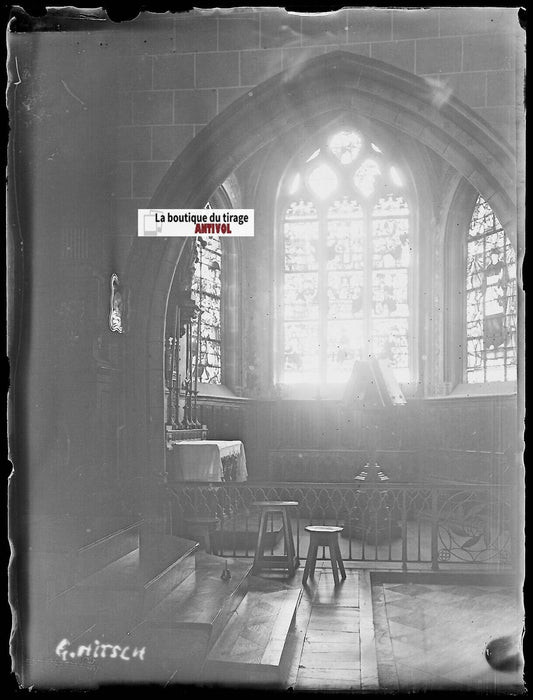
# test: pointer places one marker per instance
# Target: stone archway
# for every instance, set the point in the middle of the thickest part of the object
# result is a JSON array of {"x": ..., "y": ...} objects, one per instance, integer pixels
[{"x": 266, "y": 113}]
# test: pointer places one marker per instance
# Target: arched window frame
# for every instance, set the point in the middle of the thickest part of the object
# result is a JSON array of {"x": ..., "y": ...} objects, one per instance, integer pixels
[
  {"x": 455, "y": 322},
  {"x": 393, "y": 155},
  {"x": 226, "y": 196}
]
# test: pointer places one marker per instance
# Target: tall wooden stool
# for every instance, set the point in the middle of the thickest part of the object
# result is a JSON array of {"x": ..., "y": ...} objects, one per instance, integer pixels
[
  {"x": 327, "y": 536},
  {"x": 289, "y": 560}
]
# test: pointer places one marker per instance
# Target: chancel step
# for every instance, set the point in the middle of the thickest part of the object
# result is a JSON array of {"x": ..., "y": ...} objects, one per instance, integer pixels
[
  {"x": 64, "y": 532},
  {"x": 178, "y": 633},
  {"x": 167, "y": 603},
  {"x": 203, "y": 599},
  {"x": 132, "y": 579},
  {"x": 54, "y": 558},
  {"x": 106, "y": 548},
  {"x": 109, "y": 603},
  {"x": 109, "y": 600},
  {"x": 251, "y": 648},
  {"x": 165, "y": 561}
]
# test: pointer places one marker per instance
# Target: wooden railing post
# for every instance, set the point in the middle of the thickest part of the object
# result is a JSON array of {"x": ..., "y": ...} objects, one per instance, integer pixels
[
  {"x": 404, "y": 529},
  {"x": 434, "y": 529}
]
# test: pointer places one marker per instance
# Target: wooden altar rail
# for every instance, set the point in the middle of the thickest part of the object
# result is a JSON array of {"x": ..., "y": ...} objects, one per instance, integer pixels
[{"x": 398, "y": 525}]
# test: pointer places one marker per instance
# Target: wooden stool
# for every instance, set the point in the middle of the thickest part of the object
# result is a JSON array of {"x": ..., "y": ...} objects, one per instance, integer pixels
[
  {"x": 287, "y": 561},
  {"x": 327, "y": 536}
]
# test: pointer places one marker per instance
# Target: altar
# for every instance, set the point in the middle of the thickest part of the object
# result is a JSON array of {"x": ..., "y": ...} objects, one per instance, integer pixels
[{"x": 206, "y": 460}]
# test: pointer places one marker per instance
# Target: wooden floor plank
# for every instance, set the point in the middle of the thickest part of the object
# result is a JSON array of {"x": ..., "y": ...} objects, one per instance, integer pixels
[
  {"x": 346, "y": 647},
  {"x": 329, "y": 674},
  {"x": 295, "y": 641},
  {"x": 333, "y": 684},
  {"x": 329, "y": 661},
  {"x": 257, "y": 633},
  {"x": 369, "y": 663}
]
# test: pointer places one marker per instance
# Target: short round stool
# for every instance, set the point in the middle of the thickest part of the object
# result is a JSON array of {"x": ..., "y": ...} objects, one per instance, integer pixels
[
  {"x": 289, "y": 560},
  {"x": 326, "y": 536}
]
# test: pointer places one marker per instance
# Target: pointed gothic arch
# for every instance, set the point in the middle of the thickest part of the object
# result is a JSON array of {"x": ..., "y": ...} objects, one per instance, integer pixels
[{"x": 266, "y": 113}]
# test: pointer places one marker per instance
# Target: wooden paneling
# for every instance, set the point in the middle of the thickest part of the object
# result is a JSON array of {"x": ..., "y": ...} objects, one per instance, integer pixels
[
  {"x": 467, "y": 439},
  {"x": 338, "y": 465}
]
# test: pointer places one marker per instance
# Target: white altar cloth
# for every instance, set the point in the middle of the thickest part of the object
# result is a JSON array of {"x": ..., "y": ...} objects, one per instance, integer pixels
[{"x": 202, "y": 460}]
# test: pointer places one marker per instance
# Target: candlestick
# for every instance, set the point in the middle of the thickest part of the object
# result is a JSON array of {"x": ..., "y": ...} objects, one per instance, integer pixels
[
  {"x": 177, "y": 362},
  {"x": 198, "y": 349}
]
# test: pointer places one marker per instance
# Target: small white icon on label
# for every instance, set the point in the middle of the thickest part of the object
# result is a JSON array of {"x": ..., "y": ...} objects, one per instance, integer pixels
[{"x": 152, "y": 224}]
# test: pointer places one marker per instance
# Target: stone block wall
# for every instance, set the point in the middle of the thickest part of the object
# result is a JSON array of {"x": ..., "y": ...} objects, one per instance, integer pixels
[{"x": 182, "y": 70}]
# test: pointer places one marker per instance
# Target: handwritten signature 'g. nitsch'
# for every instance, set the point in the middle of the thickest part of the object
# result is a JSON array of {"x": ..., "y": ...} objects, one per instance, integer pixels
[{"x": 97, "y": 650}]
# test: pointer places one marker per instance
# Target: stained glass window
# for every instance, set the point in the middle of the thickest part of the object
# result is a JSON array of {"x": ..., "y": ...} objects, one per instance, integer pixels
[
  {"x": 390, "y": 282},
  {"x": 490, "y": 299},
  {"x": 323, "y": 181},
  {"x": 365, "y": 177},
  {"x": 345, "y": 145},
  {"x": 346, "y": 262},
  {"x": 206, "y": 293}
]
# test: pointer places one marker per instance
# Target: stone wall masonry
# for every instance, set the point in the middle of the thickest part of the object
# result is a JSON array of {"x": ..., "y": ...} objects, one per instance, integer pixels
[
  {"x": 178, "y": 72},
  {"x": 471, "y": 50}
]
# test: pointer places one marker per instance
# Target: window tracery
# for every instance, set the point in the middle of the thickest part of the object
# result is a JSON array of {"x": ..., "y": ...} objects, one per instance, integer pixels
[{"x": 346, "y": 262}]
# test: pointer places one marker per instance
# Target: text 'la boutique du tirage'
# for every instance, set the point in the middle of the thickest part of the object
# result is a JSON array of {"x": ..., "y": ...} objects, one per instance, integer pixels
[{"x": 191, "y": 222}]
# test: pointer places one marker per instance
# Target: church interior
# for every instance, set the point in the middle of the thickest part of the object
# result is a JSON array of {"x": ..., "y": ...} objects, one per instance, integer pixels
[{"x": 292, "y": 459}]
